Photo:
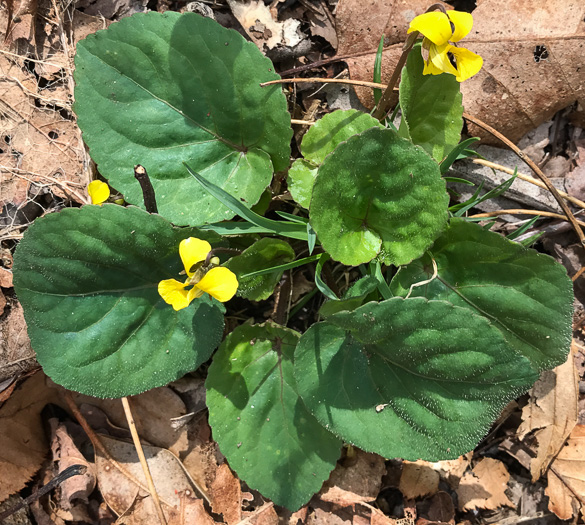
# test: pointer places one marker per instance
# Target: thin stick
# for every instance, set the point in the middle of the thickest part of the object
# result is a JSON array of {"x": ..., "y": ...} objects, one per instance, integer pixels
[
  {"x": 570, "y": 217},
  {"x": 578, "y": 274},
  {"x": 521, "y": 211},
  {"x": 302, "y": 122},
  {"x": 145, "y": 469},
  {"x": 527, "y": 178},
  {"x": 314, "y": 80}
]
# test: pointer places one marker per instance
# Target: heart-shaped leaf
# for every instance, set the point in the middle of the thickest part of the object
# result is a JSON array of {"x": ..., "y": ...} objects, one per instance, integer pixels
[
  {"x": 411, "y": 378},
  {"x": 525, "y": 294},
  {"x": 87, "y": 279},
  {"x": 378, "y": 194},
  {"x": 260, "y": 422},
  {"x": 163, "y": 89}
]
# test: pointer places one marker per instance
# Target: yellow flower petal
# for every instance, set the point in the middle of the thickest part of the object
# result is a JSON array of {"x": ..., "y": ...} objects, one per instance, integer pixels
[
  {"x": 463, "y": 23},
  {"x": 173, "y": 292},
  {"x": 98, "y": 191},
  {"x": 192, "y": 251},
  {"x": 468, "y": 63},
  {"x": 439, "y": 58},
  {"x": 434, "y": 25},
  {"x": 220, "y": 283}
]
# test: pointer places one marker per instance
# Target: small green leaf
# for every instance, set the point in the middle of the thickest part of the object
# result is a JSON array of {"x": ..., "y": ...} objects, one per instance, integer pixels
[
  {"x": 354, "y": 297},
  {"x": 163, "y": 89},
  {"x": 261, "y": 425},
  {"x": 378, "y": 194},
  {"x": 265, "y": 253},
  {"x": 526, "y": 295},
  {"x": 301, "y": 177},
  {"x": 87, "y": 280},
  {"x": 413, "y": 379},
  {"x": 432, "y": 113},
  {"x": 333, "y": 129},
  {"x": 323, "y": 137}
]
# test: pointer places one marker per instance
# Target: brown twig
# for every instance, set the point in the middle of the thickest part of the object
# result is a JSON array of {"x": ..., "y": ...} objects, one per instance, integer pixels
[
  {"x": 555, "y": 193},
  {"x": 142, "y": 458},
  {"x": 315, "y": 80},
  {"x": 527, "y": 178},
  {"x": 521, "y": 211},
  {"x": 69, "y": 472}
]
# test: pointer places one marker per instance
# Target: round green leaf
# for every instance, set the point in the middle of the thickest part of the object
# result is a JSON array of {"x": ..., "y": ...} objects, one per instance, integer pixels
[
  {"x": 333, "y": 129},
  {"x": 259, "y": 421},
  {"x": 378, "y": 194},
  {"x": 323, "y": 137},
  {"x": 525, "y": 294},
  {"x": 408, "y": 378},
  {"x": 87, "y": 280},
  {"x": 265, "y": 253},
  {"x": 163, "y": 89},
  {"x": 432, "y": 112}
]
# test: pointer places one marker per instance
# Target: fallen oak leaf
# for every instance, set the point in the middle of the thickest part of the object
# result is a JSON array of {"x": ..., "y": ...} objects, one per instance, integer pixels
[{"x": 518, "y": 42}]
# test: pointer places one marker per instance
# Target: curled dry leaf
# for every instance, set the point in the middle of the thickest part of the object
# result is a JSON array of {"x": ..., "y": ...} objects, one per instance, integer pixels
[
  {"x": 551, "y": 413},
  {"x": 532, "y": 55},
  {"x": 66, "y": 454}
]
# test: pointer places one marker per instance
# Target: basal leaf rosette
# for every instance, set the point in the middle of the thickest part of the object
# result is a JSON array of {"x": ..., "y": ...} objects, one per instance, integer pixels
[
  {"x": 526, "y": 295},
  {"x": 413, "y": 379},
  {"x": 260, "y": 422},
  {"x": 87, "y": 280},
  {"x": 162, "y": 89},
  {"x": 378, "y": 195},
  {"x": 321, "y": 139}
]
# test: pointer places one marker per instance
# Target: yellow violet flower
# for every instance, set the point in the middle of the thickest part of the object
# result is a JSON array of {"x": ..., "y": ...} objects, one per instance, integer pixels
[
  {"x": 440, "y": 31},
  {"x": 219, "y": 282},
  {"x": 98, "y": 192}
]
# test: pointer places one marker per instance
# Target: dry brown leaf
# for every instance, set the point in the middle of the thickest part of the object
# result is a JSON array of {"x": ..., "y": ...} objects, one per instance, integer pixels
[
  {"x": 226, "y": 495},
  {"x": 453, "y": 469},
  {"x": 16, "y": 353},
  {"x": 566, "y": 477},
  {"x": 66, "y": 454},
  {"x": 484, "y": 487},
  {"x": 442, "y": 508},
  {"x": 125, "y": 496},
  {"x": 258, "y": 22},
  {"x": 513, "y": 92},
  {"x": 23, "y": 445},
  {"x": 418, "y": 479},
  {"x": 551, "y": 413},
  {"x": 153, "y": 411},
  {"x": 358, "y": 479}
]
